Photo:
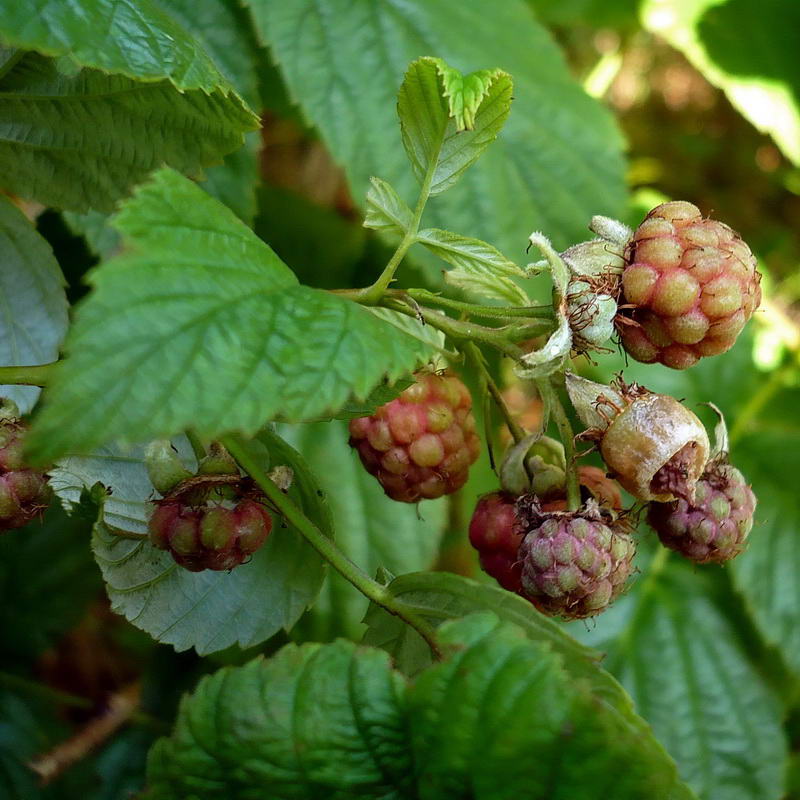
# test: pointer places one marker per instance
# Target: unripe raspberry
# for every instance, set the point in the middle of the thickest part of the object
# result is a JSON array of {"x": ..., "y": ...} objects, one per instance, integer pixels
[
  {"x": 574, "y": 564},
  {"x": 690, "y": 283},
  {"x": 421, "y": 444},
  {"x": 24, "y": 493},
  {"x": 713, "y": 528},
  {"x": 495, "y": 533},
  {"x": 209, "y": 537}
]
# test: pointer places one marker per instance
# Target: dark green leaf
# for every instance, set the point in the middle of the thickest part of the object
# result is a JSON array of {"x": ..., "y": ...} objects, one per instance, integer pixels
[
  {"x": 690, "y": 678},
  {"x": 386, "y": 211},
  {"x": 199, "y": 324},
  {"x": 498, "y": 718},
  {"x": 33, "y": 315},
  {"x": 556, "y": 162}
]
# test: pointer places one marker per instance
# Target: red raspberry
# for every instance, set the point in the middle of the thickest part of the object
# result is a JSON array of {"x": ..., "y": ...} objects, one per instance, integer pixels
[
  {"x": 24, "y": 493},
  {"x": 495, "y": 533},
  {"x": 209, "y": 537},
  {"x": 692, "y": 284},
  {"x": 574, "y": 565},
  {"x": 714, "y": 528},
  {"x": 421, "y": 444}
]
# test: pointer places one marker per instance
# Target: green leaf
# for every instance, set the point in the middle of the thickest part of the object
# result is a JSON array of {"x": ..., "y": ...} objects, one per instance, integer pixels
[
  {"x": 42, "y": 561},
  {"x": 438, "y": 597},
  {"x": 235, "y": 182},
  {"x": 199, "y": 324},
  {"x": 498, "y": 718},
  {"x": 371, "y": 529},
  {"x": 504, "y": 718},
  {"x": 766, "y": 574},
  {"x": 557, "y": 161},
  {"x": 82, "y": 140},
  {"x": 311, "y": 718},
  {"x": 205, "y": 610},
  {"x": 382, "y": 394},
  {"x": 386, "y": 211},
  {"x": 33, "y": 315},
  {"x": 224, "y": 35},
  {"x": 749, "y": 50},
  {"x": 101, "y": 238},
  {"x": 447, "y": 120},
  {"x": 480, "y": 269},
  {"x": 690, "y": 678}
]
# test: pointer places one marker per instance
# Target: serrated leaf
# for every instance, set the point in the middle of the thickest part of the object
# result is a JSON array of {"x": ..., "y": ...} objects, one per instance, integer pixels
[
  {"x": 205, "y": 610},
  {"x": 480, "y": 269},
  {"x": 199, "y": 324},
  {"x": 746, "y": 49},
  {"x": 427, "y": 335},
  {"x": 101, "y": 238},
  {"x": 336, "y": 721},
  {"x": 235, "y": 181},
  {"x": 386, "y": 211},
  {"x": 99, "y": 130},
  {"x": 371, "y": 529},
  {"x": 434, "y": 112},
  {"x": 438, "y": 597},
  {"x": 33, "y": 314},
  {"x": 690, "y": 677},
  {"x": 557, "y": 161}
]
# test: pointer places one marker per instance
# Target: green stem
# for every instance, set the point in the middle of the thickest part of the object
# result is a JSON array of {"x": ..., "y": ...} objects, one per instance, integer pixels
[
  {"x": 476, "y": 357},
  {"x": 490, "y": 312},
  {"x": 327, "y": 549},
  {"x": 27, "y": 376},
  {"x": 458, "y": 329},
  {"x": 372, "y": 294},
  {"x": 552, "y": 400},
  {"x": 197, "y": 445}
]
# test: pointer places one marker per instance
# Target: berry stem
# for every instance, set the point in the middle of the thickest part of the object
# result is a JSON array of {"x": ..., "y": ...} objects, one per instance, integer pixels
[
  {"x": 553, "y": 402},
  {"x": 126, "y": 534},
  {"x": 373, "y": 295},
  {"x": 490, "y": 312},
  {"x": 37, "y": 375},
  {"x": 350, "y": 571}
]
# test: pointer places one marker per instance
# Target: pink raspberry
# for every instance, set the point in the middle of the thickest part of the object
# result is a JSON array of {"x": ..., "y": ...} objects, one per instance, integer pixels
[
  {"x": 690, "y": 285},
  {"x": 24, "y": 493},
  {"x": 574, "y": 564},
  {"x": 421, "y": 444},
  {"x": 714, "y": 528},
  {"x": 209, "y": 537}
]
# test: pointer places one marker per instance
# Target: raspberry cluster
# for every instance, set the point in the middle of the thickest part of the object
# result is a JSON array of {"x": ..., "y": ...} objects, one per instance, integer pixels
[
  {"x": 690, "y": 285},
  {"x": 209, "y": 536},
  {"x": 421, "y": 444}
]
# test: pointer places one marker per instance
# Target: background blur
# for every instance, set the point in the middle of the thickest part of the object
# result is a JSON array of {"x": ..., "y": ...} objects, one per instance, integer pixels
[{"x": 705, "y": 102}]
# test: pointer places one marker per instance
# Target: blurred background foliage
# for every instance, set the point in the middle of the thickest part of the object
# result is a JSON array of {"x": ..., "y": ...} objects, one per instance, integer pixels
[{"x": 706, "y": 99}]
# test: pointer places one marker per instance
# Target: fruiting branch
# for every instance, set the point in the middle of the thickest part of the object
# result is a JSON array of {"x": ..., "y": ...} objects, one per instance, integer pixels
[
  {"x": 37, "y": 375},
  {"x": 327, "y": 549}
]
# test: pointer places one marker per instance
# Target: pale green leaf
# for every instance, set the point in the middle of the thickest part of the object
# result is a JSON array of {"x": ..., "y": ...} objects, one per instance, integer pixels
[
  {"x": 205, "y": 610},
  {"x": 386, "y": 211},
  {"x": 690, "y": 678},
  {"x": 747, "y": 49},
  {"x": 434, "y": 116},
  {"x": 479, "y": 268},
  {"x": 557, "y": 161},
  {"x": 371, "y": 529},
  {"x": 33, "y": 306},
  {"x": 199, "y": 324}
]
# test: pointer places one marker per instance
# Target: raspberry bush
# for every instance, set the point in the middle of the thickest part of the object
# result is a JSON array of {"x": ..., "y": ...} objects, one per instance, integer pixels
[{"x": 339, "y": 460}]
